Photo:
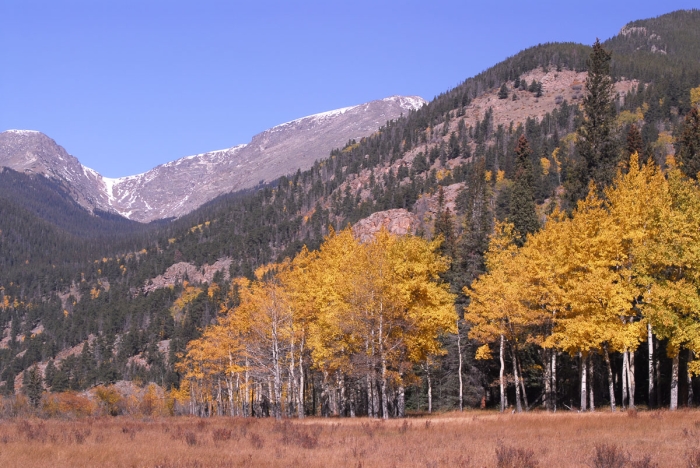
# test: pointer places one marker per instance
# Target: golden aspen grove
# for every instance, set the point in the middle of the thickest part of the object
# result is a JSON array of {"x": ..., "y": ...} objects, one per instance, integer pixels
[
  {"x": 363, "y": 315},
  {"x": 622, "y": 268}
]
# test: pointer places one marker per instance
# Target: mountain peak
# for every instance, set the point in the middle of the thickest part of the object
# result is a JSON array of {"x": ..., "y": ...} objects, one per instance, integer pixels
[{"x": 178, "y": 187}]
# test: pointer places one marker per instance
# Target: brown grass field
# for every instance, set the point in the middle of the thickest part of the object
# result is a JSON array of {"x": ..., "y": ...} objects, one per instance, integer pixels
[{"x": 469, "y": 439}]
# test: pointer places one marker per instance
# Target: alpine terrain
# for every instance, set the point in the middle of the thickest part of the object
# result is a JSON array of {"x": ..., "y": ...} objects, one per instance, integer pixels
[{"x": 178, "y": 187}]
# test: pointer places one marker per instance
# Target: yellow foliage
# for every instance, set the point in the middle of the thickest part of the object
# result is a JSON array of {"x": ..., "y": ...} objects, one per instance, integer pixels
[
  {"x": 500, "y": 175},
  {"x": 483, "y": 352},
  {"x": 487, "y": 176},
  {"x": 626, "y": 117},
  {"x": 94, "y": 293},
  {"x": 110, "y": 398},
  {"x": 349, "y": 148},
  {"x": 346, "y": 304},
  {"x": 442, "y": 173},
  {"x": 546, "y": 164},
  {"x": 189, "y": 293},
  {"x": 596, "y": 279},
  {"x": 695, "y": 96}
]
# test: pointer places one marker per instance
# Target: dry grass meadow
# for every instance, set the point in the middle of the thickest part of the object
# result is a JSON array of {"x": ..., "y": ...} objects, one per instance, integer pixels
[{"x": 470, "y": 439}]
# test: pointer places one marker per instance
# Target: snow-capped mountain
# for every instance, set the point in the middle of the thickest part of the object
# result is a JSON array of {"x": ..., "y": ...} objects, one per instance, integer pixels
[{"x": 178, "y": 187}]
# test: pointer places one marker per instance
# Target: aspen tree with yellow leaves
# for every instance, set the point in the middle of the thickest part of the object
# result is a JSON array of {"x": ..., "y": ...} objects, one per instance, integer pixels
[
  {"x": 365, "y": 315},
  {"x": 615, "y": 273}
]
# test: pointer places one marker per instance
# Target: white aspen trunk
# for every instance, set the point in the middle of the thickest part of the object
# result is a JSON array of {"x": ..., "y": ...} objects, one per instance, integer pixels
[
  {"x": 292, "y": 379},
  {"x": 500, "y": 377},
  {"x": 385, "y": 400},
  {"x": 353, "y": 400},
  {"x": 650, "y": 343},
  {"x": 674, "y": 383},
  {"x": 271, "y": 397},
  {"x": 690, "y": 380},
  {"x": 625, "y": 365},
  {"x": 430, "y": 387},
  {"x": 611, "y": 384},
  {"x": 518, "y": 404},
  {"x": 657, "y": 373},
  {"x": 584, "y": 375},
  {"x": 300, "y": 390},
  {"x": 631, "y": 379},
  {"x": 370, "y": 405},
  {"x": 554, "y": 380},
  {"x": 370, "y": 398},
  {"x": 247, "y": 401},
  {"x": 239, "y": 396},
  {"x": 522, "y": 384},
  {"x": 591, "y": 402},
  {"x": 375, "y": 396},
  {"x": 219, "y": 398},
  {"x": 547, "y": 377},
  {"x": 276, "y": 389},
  {"x": 459, "y": 369},
  {"x": 401, "y": 402},
  {"x": 342, "y": 403}
]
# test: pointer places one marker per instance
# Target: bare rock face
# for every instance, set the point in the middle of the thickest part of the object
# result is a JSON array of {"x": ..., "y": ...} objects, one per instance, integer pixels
[
  {"x": 182, "y": 270},
  {"x": 178, "y": 187},
  {"x": 399, "y": 222},
  {"x": 33, "y": 152}
]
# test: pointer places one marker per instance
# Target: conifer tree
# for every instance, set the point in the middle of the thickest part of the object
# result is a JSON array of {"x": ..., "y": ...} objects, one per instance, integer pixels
[
  {"x": 522, "y": 204},
  {"x": 33, "y": 385},
  {"x": 596, "y": 141},
  {"x": 503, "y": 92},
  {"x": 688, "y": 146},
  {"x": 634, "y": 140}
]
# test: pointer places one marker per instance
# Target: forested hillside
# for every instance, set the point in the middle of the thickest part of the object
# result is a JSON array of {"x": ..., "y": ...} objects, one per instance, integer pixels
[{"x": 519, "y": 143}]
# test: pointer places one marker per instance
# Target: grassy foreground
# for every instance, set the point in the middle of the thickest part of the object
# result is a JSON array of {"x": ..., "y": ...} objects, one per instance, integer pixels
[{"x": 470, "y": 439}]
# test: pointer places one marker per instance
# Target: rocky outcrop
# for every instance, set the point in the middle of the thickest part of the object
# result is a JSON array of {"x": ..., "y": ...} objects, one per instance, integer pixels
[
  {"x": 399, "y": 222},
  {"x": 181, "y": 271}
]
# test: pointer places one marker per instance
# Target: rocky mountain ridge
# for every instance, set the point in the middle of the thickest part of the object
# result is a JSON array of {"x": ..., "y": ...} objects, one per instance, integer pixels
[{"x": 178, "y": 187}]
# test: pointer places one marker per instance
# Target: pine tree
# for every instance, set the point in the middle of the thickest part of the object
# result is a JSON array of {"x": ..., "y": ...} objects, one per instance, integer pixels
[
  {"x": 33, "y": 386},
  {"x": 503, "y": 92},
  {"x": 634, "y": 140},
  {"x": 522, "y": 203},
  {"x": 596, "y": 141},
  {"x": 688, "y": 145}
]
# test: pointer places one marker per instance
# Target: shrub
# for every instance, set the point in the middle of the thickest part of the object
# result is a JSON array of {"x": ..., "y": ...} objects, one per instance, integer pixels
[
  {"x": 645, "y": 462},
  {"x": 110, "y": 399},
  {"x": 609, "y": 456},
  {"x": 256, "y": 441},
  {"x": 221, "y": 434},
  {"x": 67, "y": 404},
  {"x": 692, "y": 458},
  {"x": 512, "y": 457},
  {"x": 190, "y": 438}
]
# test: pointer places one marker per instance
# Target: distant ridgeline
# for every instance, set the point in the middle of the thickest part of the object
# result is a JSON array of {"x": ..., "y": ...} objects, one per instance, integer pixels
[{"x": 518, "y": 142}]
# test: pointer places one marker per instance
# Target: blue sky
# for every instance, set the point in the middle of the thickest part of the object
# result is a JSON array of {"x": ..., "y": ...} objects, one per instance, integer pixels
[{"x": 127, "y": 85}]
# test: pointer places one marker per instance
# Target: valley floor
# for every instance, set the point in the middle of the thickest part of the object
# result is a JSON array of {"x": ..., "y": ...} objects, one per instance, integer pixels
[{"x": 469, "y": 439}]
